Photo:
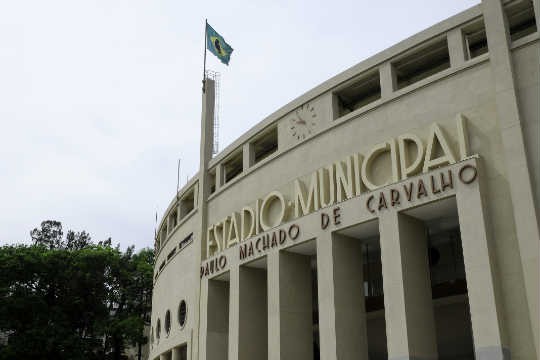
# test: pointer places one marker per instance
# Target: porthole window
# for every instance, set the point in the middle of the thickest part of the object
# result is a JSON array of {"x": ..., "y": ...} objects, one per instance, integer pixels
[
  {"x": 158, "y": 330},
  {"x": 168, "y": 322},
  {"x": 182, "y": 313}
]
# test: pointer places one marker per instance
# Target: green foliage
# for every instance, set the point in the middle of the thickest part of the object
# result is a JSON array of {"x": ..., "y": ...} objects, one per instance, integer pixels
[{"x": 71, "y": 299}]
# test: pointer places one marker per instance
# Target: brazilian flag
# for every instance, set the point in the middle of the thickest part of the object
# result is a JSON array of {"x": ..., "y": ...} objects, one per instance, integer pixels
[{"x": 217, "y": 45}]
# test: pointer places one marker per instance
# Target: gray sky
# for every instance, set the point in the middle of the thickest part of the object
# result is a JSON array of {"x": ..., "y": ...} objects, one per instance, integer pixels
[{"x": 98, "y": 99}]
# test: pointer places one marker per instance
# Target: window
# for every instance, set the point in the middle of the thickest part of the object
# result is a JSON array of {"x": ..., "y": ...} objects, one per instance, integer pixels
[
  {"x": 171, "y": 253},
  {"x": 233, "y": 166},
  {"x": 187, "y": 204},
  {"x": 521, "y": 21},
  {"x": 358, "y": 94},
  {"x": 265, "y": 145},
  {"x": 158, "y": 329},
  {"x": 182, "y": 313},
  {"x": 188, "y": 239},
  {"x": 423, "y": 62},
  {"x": 475, "y": 39},
  {"x": 163, "y": 234},
  {"x": 212, "y": 181},
  {"x": 168, "y": 322},
  {"x": 173, "y": 220}
]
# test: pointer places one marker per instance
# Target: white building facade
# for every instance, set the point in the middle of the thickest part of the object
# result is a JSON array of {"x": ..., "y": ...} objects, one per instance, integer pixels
[{"x": 389, "y": 213}]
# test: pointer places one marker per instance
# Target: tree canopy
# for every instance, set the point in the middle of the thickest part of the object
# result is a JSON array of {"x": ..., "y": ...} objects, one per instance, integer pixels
[{"x": 69, "y": 298}]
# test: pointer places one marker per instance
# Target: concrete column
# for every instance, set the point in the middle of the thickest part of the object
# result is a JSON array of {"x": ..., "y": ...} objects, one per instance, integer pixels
[
  {"x": 175, "y": 354},
  {"x": 274, "y": 346},
  {"x": 207, "y": 136},
  {"x": 217, "y": 335},
  {"x": 234, "y": 312},
  {"x": 253, "y": 319},
  {"x": 456, "y": 47},
  {"x": 519, "y": 177},
  {"x": 410, "y": 324},
  {"x": 248, "y": 156},
  {"x": 290, "y": 329},
  {"x": 327, "y": 307},
  {"x": 220, "y": 176},
  {"x": 342, "y": 314},
  {"x": 388, "y": 80},
  {"x": 484, "y": 304}
]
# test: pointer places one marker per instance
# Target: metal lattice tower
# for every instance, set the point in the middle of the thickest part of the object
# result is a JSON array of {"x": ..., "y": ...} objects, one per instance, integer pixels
[{"x": 216, "y": 76}]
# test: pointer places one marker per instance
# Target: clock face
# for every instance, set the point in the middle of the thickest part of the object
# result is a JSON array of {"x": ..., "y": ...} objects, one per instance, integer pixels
[{"x": 302, "y": 122}]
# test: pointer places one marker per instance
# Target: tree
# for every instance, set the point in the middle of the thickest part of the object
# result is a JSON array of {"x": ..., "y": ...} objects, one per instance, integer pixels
[
  {"x": 50, "y": 234},
  {"x": 71, "y": 299}
]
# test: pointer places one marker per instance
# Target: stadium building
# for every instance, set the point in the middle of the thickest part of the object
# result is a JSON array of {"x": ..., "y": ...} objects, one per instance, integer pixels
[{"x": 389, "y": 213}]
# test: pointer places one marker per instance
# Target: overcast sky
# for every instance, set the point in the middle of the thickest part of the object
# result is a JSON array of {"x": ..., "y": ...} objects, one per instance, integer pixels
[{"x": 99, "y": 98}]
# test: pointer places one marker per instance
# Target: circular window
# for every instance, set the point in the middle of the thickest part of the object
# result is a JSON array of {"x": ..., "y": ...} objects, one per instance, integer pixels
[
  {"x": 182, "y": 313},
  {"x": 168, "y": 322},
  {"x": 158, "y": 329}
]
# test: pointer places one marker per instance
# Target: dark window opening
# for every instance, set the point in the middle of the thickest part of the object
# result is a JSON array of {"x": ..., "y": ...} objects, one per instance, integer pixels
[
  {"x": 265, "y": 145},
  {"x": 373, "y": 280},
  {"x": 187, "y": 204},
  {"x": 233, "y": 166},
  {"x": 358, "y": 94},
  {"x": 163, "y": 234},
  {"x": 424, "y": 62},
  {"x": 162, "y": 265},
  {"x": 158, "y": 329},
  {"x": 475, "y": 40},
  {"x": 168, "y": 322},
  {"x": 446, "y": 265},
  {"x": 212, "y": 181},
  {"x": 186, "y": 241},
  {"x": 521, "y": 20},
  {"x": 182, "y": 313},
  {"x": 173, "y": 219},
  {"x": 171, "y": 253}
]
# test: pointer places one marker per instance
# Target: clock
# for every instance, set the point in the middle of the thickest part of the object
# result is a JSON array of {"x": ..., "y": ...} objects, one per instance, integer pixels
[{"x": 302, "y": 122}]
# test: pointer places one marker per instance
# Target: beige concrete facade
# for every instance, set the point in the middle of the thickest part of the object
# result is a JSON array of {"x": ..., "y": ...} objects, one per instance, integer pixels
[{"x": 389, "y": 213}]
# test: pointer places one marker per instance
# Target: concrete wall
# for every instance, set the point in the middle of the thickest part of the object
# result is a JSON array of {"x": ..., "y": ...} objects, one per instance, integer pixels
[{"x": 496, "y": 92}]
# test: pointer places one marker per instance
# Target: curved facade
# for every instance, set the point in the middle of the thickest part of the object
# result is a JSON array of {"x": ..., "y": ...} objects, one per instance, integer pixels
[{"x": 389, "y": 213}]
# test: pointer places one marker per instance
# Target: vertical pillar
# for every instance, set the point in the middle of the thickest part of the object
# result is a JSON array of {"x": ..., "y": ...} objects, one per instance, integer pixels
[
  {"x": 387, "y": 77},
  {"x": 519, "y": 180},
  {"x": 327, "y": 306},
  {"x": 175, "y": 354},
  {"x": 289, "y": 307},
  {"x": 456, "y": 47},
  {"x": 489, "y": 342},
  {"x": 342, "y": 314},
  {"x": 234, "y": 312},
  {"x": 220, "y": 176},
  {"x": 207, "y": 140},
  {"x": 274, "y": 346},
  {"x": 248, "y": 156},
  {"x": 253, "y": 319},
  {"x": 410, "y": 324}
]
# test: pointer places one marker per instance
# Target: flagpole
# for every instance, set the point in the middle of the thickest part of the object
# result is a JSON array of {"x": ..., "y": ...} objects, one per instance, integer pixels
[{"x": 204, "y": 67}]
